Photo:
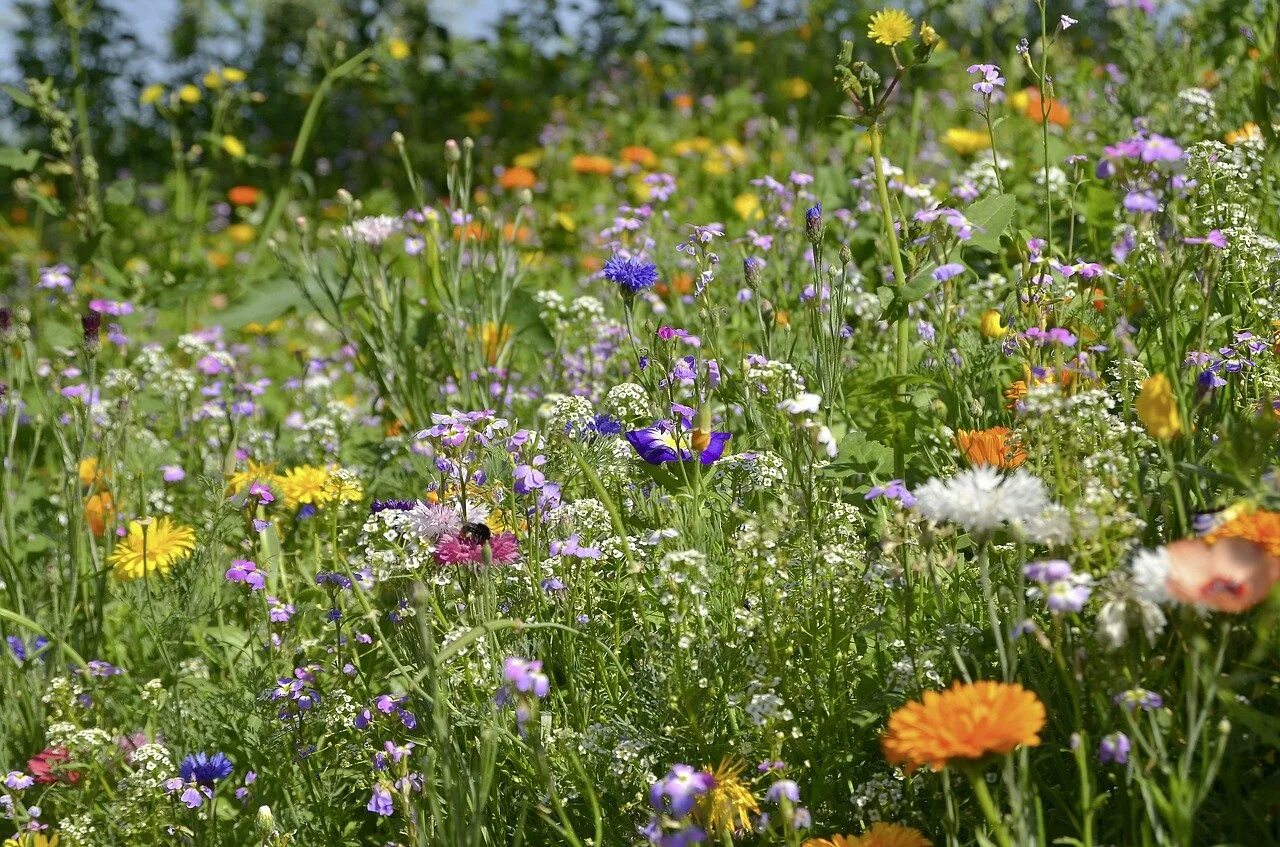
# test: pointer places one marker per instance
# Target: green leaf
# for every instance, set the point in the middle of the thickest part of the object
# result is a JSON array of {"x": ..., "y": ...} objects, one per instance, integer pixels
[
  {"x": 523, "y": 315},
  {"x": 990, "y": 218},
  {"x": 18, "y": 160},
  {"x": 271, "y": 299},
  {"x": 19, "y": 96},
  {"x": 860, "y": 455}
]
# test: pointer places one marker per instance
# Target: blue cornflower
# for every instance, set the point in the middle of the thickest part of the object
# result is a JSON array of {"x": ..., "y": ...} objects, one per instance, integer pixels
[
  {"x": 605, "y": 425},
  {"x": 630, "y": 274},
  {"x": 203, "y": 769}
]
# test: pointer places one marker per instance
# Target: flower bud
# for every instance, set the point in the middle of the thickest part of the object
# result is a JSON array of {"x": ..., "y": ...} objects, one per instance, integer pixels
[
  {"x": 91, "y": 324},
  {"x": 397, "y": 138},
  {"x": 344, "y": 197},
  {"x": 751, "y": 270},
  {"x": 265, "y": 822},
  {"x": 813, "y": 223},
  {"x": 452, "y": 155}
]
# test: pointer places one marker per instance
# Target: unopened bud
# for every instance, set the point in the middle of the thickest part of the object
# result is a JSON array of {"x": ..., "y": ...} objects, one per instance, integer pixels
[
  {"x": 928, "y": 35},
  {"x": 452, "y": 155},
  {"x": 265, "y": 822},
  {"x": 846, "y": 255},
  {"x": 344, "y": 197},
  {"x": 813, "y": 223},
  {"x": 524, "y": 197},
  {"x": 91, "y": 324},
  {"x": 397, "y": 138},
  {"x": 751, "y": 270}
]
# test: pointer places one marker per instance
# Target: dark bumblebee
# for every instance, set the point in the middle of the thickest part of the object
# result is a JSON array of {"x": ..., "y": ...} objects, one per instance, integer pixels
[{"x": 476, "y": 533}]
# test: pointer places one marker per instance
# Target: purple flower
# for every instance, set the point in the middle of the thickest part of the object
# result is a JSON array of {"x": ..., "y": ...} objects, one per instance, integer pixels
[
  {"x": 1047, "y": 572},
  {"x": 659, "y": 444},
  {"x": 783, "y": 788},
  {"x": 1114, "y": 749},
  {"x": 1139, "y": 698},
  {"x": 57, "y": 277},
  {"x": 203, "y": 769},
  {"x": 526, "y": 676},
  {"x": 17, "y": 780},
  {"x": 676, "y": 792},
  {"x": 380, "y": 802},
  {"x": 894, "y": 489},
  {"x": 1139, "y": 202},
  {"x": 243, "y": 570},
  {"x": 571, "y": 547},
  {"x": 173, "y": 473},
  {"x": 989, "y": 79},
  {"x": 630, "y": 274},
  {"x": 1069, "y": 595},
  {"x": 528, "y": 479},
  {"x": 948, "y": 271}
]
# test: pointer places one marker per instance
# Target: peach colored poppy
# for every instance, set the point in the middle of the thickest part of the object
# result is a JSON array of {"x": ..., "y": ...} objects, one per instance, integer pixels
[{"x": 1230, "y": 575}]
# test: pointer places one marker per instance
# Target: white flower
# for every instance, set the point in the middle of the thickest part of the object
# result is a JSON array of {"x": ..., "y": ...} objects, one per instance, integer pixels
[
  {"x": 1115, "y": 615},
  {"x": 802, "y": 404},
  {"x": 1150, "y": 575},
  {"x": 982, "y": 499},
  {"x": 1068, "y": 22},
  {"x": 373, "y": 230}
]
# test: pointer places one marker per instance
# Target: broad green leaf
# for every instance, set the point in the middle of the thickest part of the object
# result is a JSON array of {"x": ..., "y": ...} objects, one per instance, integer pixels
[
  {"x": 18, "y": 160},
  {"x": 523, "y": 313},
  {"x": 990, "y": 218}
]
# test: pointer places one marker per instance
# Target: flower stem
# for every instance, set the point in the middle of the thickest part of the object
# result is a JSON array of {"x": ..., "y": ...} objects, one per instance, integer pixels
[
  {"x": 900, "y": 281},
  {"x": 989, "y": 811}
]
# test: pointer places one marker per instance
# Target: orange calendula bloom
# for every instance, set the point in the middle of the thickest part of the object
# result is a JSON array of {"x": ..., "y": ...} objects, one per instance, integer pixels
[
  {"x": 597, "y": 165},
  {"x": 1058, "y": 114},
  {"x": 965, "y": 723},
  {"x": 518, "y": 177},
  {"x": 879, "y": 835},
  {"x": 244, "y": 195},
  {"x": 995, "y": 447},
  {"x": 99, "y": 510},
  {"x": 635, "y": 154},
  {"x": 494, "y": 339}
]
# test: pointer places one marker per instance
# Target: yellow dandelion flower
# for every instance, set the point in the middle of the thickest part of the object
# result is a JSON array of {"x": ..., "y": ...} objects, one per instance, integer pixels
[
  {"x": 1158, "y": 408},
  {"x": 189, "y": 94},
  {"x": 796, "y": 88},
  {"x": 966, "y": 142},
  {"x": 747, "y": 205},
  {"x": 264, "y": 472},
  {"x": 212, "y": 80},
  {"x": 151, "y": 545},
  {"x": 890, "y": 27},
  {"x": 240, "y": 233},
  {"x": 745, "y": 47},
  {"x": 233, "y": 146},
  {"x": 398, "y": 48},
  {"x": 233, "y": 75},
  {"x": 728, "y": 806},
  {"x": 151, "y": 94},
  {"x": 305, "y": 485}
]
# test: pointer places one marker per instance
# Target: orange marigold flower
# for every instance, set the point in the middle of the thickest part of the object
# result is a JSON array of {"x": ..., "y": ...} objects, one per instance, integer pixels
[
  {"x": 598, "y": 165},
  {"x": 879, "y": 835},
  {"x": 99, "y": 510},
  {"x": 638, "y": 155},
  {"x": 967, "y": 722},
  {"x": 1058, "y": 114},
  {"x": 1260, "y": 526},
  {"x": 244, "y": 195},
  {"x": 995, "y": 447},
  {"x": 515, "y": 178}
]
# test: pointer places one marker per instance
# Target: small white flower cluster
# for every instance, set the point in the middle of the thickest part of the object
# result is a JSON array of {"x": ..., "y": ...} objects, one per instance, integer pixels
[
  {"x": 880, "y": 798},
  {"x": 565, "y": 413},
  {"x": 373, "y": 230},
  {"x": 774, "y": 378},
  {"x": 1197, "y": 103},
  {"x": 628, "y": 401}
]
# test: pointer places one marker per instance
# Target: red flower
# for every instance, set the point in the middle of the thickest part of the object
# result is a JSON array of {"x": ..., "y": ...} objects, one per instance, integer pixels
[{"x": 46, "y": 766}]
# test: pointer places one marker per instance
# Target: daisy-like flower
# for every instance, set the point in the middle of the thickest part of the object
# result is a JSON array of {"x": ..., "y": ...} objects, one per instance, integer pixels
[
  {"x": 879, "y": 835},
  {"x": 890, "y": 27},
  {"x": 151, "y": 546},
  {"x": 431, "y": 520},
  {"x": 630, "y": 274},
  {"x": 982, "y": 499},
  {"x": 263, "y": 472},
  {"x": 965, "y": 723},
  {"x": 728, "y": 804},
  {"x": 305, "y": 485},
  {"x": 995, "y": 447}
]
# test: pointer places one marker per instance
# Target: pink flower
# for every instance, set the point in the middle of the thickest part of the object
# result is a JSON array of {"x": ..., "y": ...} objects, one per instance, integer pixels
[{"x": 455, "y": 550}]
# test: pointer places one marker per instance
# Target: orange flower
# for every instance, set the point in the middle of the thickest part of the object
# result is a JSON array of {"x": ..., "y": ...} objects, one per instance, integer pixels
[
  {"x": 1058, "y": 113},
  {"x": 244, "y": 195},
  {"x": 879, "y": 835},
  {"x": 517, "y": 177},
  {"x": 1260, "y": 526},
  {"x": 992, "y": 447},
  {"x": 637, "y": 155},
  {"x": 967, "y": 722},
  {"x": 1229, "y": 575},
  {"x": 683, "y": 102},
  {"x": 1018, "y": 390},
  {"x": 100, "y": 510},
  {"x": 598, "y": 165}
]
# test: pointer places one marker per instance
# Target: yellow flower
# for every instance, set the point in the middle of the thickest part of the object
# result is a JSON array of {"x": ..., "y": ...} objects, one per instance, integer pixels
[
  {"x": 967, "y": 722},
  {"x": 233, "y": 75},
  {"x": 151, "y": 545},
  {"x": 241, "y": 233},
  {"x": 890, "y": 27},
  {"x": 233, "y": 146},
  {"x": 565, "y": 221},
  {"x": 305, "y": 485},
  {"x": 728, "y": 806},
  {"x": 990, "y": 325},
  {"x": 212, "y": 80},
  {"x": 1158, "y": 408},
  {"x": 528, "y": 159},
  {"x": 151, "y": 94},
  {"x": 189, "y": 94},
  {"x": 879, "y": 835},
  {"x": 745, "y": 47},
  {"x": 264, "y": 472},
  {"x": 90, "y": 471},
  {"x": 494, "y": 340},
  {"x": 928, "y": 35},
  {"x": 796, "y": 88},
  {"x": 33, "y": 839},
  {"x": 747, "y": 205},
  {"x": 344, "y": 486},
  {"x": 966, "y": 141},
  {"x": 398, "y": 48}
]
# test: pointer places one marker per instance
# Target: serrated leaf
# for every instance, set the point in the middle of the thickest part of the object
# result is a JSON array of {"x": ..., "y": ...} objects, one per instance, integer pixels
[{"x": 990, "y": 218}]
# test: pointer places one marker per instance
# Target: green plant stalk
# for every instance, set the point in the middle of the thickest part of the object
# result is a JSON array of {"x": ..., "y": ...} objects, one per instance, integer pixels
[
  {"x": 989, "y": 810},
  {"x": 901, "y": 356}
]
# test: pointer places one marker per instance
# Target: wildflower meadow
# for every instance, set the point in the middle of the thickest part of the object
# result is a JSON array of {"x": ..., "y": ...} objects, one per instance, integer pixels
[{"x": 802, "y": 424}]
